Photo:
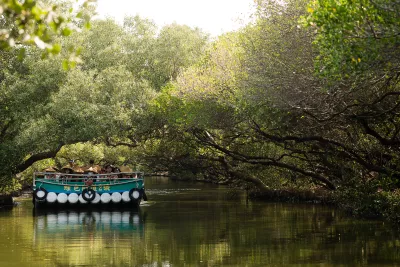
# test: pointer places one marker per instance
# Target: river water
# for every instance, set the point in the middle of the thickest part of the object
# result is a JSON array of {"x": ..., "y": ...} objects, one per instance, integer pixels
[{"x": 189, "y": 224}]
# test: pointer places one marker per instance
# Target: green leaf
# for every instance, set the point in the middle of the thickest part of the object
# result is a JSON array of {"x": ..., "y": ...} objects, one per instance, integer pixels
[
  {"x": 72, "y": 64},
  {"x": 21, "y": 54},
  {"x": 56, "y": 49},
  {"x": 65, "y": 64},
  {"x": 66, "y": 32}
]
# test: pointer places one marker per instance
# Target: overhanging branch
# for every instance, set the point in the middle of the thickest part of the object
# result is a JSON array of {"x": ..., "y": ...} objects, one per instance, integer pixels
[{"x": 43, "y": 155}]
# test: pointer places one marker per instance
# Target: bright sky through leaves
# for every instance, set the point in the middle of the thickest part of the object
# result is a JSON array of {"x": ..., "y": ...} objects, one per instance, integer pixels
[{"x": 213, "y": 16}]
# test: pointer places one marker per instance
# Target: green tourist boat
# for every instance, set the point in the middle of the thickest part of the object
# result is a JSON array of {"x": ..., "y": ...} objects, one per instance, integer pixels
[{"x": 122, "y": 189}]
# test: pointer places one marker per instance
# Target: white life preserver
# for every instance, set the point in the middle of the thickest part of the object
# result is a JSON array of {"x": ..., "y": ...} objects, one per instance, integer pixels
[
  {"x": 134, "y": 194},
  {"x": 51, "y": 197},
  {"x": 125, "y": 196},
  {"x": 88, "y": 194},
  {"x": 96, "y": 199},
  {"x": 81, "y": 200},
  {"x": 62, "y": 198},
  {"x": 40, "y": 194},
  {"x": 116, "y": 197},
  {"x": 105, "y": 198},
  {"x": 73, "y": 198}
]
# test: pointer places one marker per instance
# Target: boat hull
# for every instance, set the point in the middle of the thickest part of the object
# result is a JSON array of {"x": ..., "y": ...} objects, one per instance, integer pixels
[{"x": 124, "y": 193}]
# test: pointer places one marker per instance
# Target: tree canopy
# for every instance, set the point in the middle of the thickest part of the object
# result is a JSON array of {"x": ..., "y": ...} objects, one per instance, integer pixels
[
  {"x": 306, "y": 96},
  {"x": 45, "y": 107}
]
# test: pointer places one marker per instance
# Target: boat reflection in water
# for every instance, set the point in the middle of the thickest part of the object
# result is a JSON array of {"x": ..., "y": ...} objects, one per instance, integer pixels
[
  {"x": 69, "y": 223},
  {"x": 89, "y": 238}
]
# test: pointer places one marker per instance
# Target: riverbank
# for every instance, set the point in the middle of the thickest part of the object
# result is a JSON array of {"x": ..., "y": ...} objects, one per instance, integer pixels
[
  {"x": 293, "y": 195},
  {"x": 367, "y": 204},
  {"x": 6, "y": 201},
  {"x": 364, "y": 201}
]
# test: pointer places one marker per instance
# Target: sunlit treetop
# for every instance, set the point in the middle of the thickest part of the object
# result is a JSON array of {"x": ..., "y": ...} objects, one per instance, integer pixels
[
  {"x": 355, "y": 35},
  {"x": 37, "y": 23}
]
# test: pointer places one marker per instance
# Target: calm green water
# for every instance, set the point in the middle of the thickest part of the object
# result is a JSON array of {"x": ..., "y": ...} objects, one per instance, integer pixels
[{"x": 188, "y": 224}]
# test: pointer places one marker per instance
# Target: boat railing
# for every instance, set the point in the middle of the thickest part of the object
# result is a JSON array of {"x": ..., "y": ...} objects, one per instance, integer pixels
[{"x": 85, "y": 177}]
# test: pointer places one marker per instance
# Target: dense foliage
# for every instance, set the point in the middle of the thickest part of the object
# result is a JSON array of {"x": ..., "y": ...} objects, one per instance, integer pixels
[
  {"x": 104, "y": 101},
  {"x": 305, "y": 97},
  {"x": 38, "y": 23}
]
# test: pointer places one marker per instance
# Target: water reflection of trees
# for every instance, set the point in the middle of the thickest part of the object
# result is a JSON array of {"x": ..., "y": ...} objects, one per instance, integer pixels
[
  {"x": 269, "y": 234},
  {"x": 197, "y": 233}
]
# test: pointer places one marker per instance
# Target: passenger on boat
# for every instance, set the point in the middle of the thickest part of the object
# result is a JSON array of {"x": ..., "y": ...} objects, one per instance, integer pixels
[
  {"x": 95, "y": 168},
  {"x": 91, "y": 175},
  {"x": 116, "y": 170},
  {"x": 51, "y": 173},
  {"x": 126, "y": 172},
  {"x": 92, "y": 169},
  {"x": 110, "y": 169},
  {"x": 71, "y": 168},
  {"x": 78, "y": 170},
  {"x": 68, "y": 169}
]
